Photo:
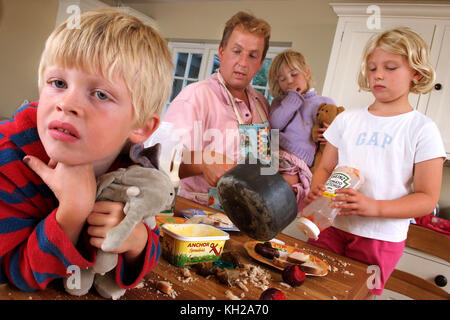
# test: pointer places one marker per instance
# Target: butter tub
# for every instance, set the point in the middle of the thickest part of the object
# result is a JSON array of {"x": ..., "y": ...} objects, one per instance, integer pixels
[{"x": 187, "y": 244}]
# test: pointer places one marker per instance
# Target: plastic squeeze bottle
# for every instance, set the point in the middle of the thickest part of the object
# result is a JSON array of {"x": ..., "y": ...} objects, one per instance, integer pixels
[{"x": 319, "y": 214}]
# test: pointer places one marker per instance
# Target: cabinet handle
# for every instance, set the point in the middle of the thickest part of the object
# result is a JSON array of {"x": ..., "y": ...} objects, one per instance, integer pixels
[
  {"x": 440, "y": 280},
  {"x": 438, "y": 86}
]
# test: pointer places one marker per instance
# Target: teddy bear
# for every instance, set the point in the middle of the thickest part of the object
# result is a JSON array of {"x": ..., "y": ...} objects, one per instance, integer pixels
[
  {"x": 145, "y": 191},
  {"x": 325, "y": 113}
]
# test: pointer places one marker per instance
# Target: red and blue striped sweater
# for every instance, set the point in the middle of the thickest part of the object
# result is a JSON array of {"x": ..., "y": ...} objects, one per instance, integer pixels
[{"x": 33, "y": 248}]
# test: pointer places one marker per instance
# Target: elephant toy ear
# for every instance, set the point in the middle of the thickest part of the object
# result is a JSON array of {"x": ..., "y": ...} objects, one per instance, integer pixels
[{"x": 146, "y": 157}]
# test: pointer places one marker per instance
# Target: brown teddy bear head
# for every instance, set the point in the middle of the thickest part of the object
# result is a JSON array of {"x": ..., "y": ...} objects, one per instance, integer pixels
[{"x": 327, "y": 112}]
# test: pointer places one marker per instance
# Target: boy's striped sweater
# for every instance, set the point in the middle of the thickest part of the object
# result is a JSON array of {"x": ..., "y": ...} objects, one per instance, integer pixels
[{"x": 33, "y": 248}]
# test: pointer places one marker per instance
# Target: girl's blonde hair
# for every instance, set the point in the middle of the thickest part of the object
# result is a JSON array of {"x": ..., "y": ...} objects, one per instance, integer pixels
[
  {"x": 115, "y": 44},
  {"x": 294, "y": 60},
  {"x": 405, "y": 42}
]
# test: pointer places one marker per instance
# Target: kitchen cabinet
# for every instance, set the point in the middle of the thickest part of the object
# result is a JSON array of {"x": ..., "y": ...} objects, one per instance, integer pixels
[
  {"x": 358, "y": 22},
  {"x": 417, "y": 266},
  {"x": 435, "y": 104},
  {"x": 426, "y": 256}
]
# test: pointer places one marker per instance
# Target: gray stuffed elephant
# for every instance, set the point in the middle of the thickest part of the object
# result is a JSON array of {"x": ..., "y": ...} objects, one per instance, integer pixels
[{"x": 146, "y": 191}]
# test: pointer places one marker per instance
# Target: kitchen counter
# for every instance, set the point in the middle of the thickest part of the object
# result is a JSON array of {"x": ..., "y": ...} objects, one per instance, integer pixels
[{"x": 346, "y": 279}]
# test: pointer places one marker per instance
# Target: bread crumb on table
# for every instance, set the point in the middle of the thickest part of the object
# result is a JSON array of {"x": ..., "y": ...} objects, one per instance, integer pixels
[
  {"x": 257, "y": 276},
  {"x": 231, "y": 296},
  {"x": 140, "y": 285},
  {"x": 285, "y": 285},
  {"x": 166, "y": 287},
  {"x": 186, "y": 272},
  {"x": 241, "y": 285}
]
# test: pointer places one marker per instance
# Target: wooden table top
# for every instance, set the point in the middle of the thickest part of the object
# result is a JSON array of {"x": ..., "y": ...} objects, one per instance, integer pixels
[{"x": 346, "y": 279}]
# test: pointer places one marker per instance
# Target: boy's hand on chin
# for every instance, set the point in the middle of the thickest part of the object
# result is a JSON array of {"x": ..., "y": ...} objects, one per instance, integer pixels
[{"x": 73, "y": 186}]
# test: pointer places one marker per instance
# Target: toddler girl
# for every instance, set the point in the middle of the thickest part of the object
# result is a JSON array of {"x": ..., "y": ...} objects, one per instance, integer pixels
[
  {"x": 393, "y": 146},
  {"x": 293, "y": 112}
]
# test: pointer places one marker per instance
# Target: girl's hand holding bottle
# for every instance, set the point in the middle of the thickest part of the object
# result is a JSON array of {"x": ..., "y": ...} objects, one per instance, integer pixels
[
  {"x": 353, "y": 202},
  {"x": 314, "y": 193}
]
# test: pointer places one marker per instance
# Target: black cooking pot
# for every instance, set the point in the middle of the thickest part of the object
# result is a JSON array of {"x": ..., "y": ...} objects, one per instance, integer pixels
[{"x": 259, "y": 205}]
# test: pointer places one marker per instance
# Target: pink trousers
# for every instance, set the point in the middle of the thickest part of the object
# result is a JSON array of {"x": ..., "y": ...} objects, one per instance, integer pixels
[{"x": 381, "y": 256}]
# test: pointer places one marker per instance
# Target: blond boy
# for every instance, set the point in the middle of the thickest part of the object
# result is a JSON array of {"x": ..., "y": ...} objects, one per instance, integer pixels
[{"x": 102, "y": 87}]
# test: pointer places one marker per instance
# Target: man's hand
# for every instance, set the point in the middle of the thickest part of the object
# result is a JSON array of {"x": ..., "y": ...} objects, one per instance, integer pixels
[
  {"x": 215, "y": 165},
  {"x": 210, "y": 164},
  {"x": 213, "y": 172}
]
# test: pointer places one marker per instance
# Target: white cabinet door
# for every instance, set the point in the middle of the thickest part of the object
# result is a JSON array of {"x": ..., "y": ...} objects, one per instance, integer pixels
[
  {"x": 424, "y": 265},
  {"x": 341, "y": 83},
  {"x": 438, "y": 105}
]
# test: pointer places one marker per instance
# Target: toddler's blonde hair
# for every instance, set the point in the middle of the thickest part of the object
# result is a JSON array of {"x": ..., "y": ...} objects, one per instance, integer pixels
[
  {"x": 405, "y": 42},
  {"x": 294, "y": 60},
  {"x": 115, "y": 44}
]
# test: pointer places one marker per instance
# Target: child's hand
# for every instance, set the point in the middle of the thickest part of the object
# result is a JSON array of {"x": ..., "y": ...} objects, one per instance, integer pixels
[
  {"x": 353, "y": 202},
  {"x": 105, "y": 216},
  {"x": 301, "y": 90},
  {"x": 320, "y": 138},
  {"x": 73, "y": 186},
  {"x": 295, "y": 92},
  {"x": 314, "y": 193}
]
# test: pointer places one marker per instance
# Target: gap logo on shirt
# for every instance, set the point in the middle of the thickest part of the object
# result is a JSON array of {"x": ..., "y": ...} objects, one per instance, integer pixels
[{"x": 377, "y": 139}]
